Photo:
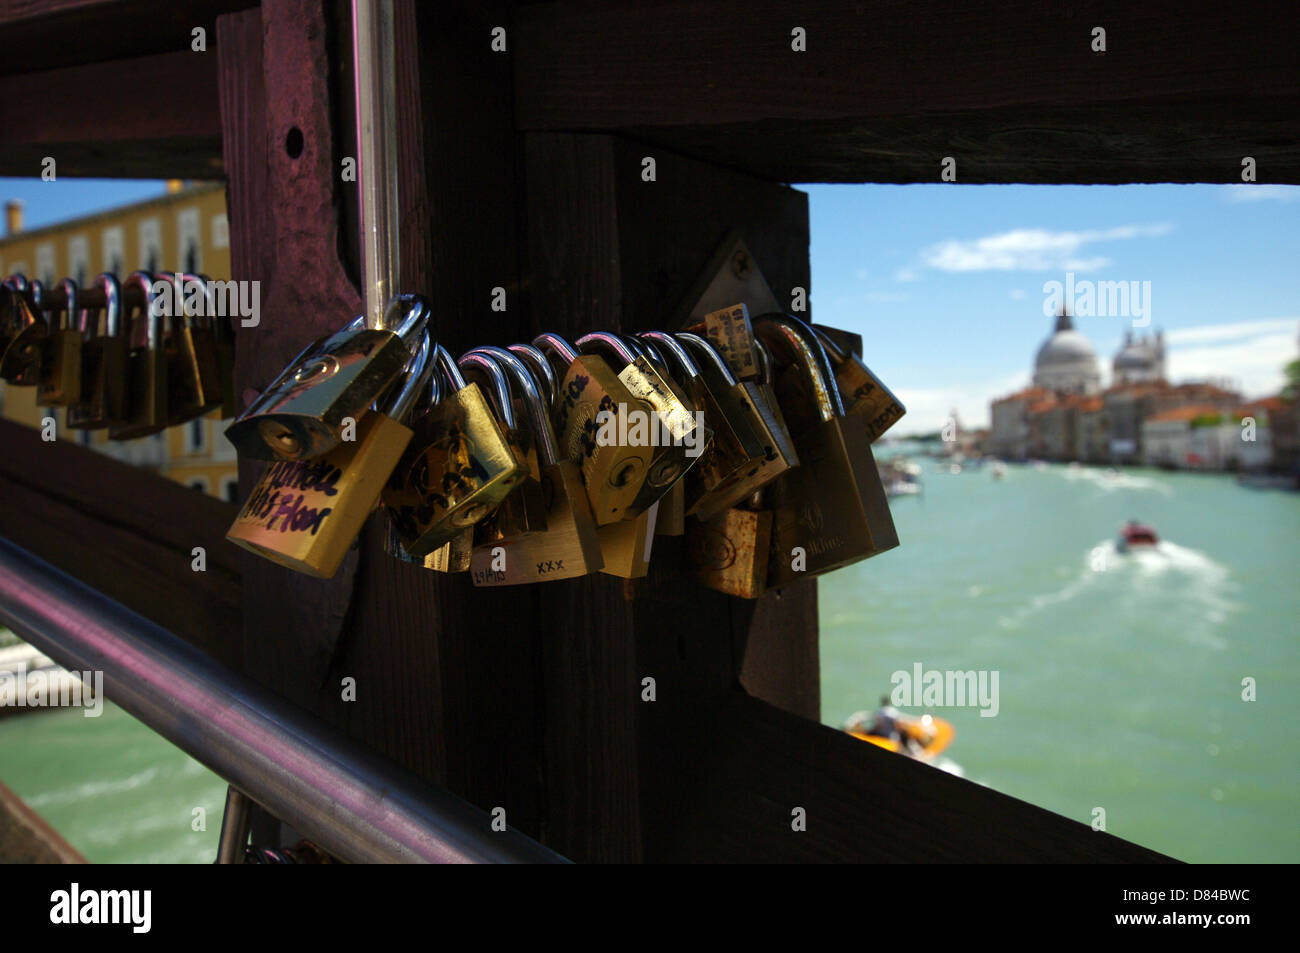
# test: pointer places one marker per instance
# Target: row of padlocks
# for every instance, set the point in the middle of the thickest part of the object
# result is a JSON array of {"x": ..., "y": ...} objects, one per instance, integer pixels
[
  {"x": 552, "y": 460},
  {"x": 119, "y": 356}
]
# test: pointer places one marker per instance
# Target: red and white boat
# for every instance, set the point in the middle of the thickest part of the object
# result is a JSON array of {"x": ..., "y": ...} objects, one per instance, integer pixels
[{"x": 1136, "y": 534}]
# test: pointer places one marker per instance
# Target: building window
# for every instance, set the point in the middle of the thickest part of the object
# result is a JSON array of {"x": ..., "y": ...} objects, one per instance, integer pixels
[
  {"x": 46, "y": 265},
  {"x": 191, "y": 240},
  {"x": 86, "y": 438},
  {"x": 114, "y": 244},
  {"x": 196, "y": 436},
  {"x": 150, "y": 245},
  {"x": 199, "y": 483},
  {"x": 220, "y": 231},
  {"x": 230, "y": 489}
]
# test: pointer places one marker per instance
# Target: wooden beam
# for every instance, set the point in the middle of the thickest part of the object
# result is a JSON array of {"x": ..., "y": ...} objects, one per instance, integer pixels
[
  {"x": 154, "y": 116},
  {"x": 50, "y": 34},
  {"x": 1013, "y": 91},
  {"x": 753, "y": 765},
  {"x": 127, "y": 532}
]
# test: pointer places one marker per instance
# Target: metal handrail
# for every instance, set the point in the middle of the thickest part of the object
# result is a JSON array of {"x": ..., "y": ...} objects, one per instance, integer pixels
[{"x": 342, "y": 797}]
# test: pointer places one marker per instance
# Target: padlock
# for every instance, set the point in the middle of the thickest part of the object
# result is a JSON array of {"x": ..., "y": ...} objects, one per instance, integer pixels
[
  {"x": 730, "y": 552},
  {"x": 831, "y": 509},
  {"x": 103, "y": 361},
  {"x": 730, "y": 332},
  {"x": 865, "y": 395},
  {"x": 193, "y": 374},
  {"x": 543, "y": 373},
  {"x": 569, "y": 547},
  {"x": 146, "y": 361},
  {"x": 60, "y": 383},
  {"x": 305, "y": 514},
  {"x": 666, "y": 419},
  {"x": 626, "y": 546},
  {"x": 523, "y": 510},
  {"x": 24, "y": 333},
  {"x": 760, "y": 448},
  {"x": 304, "y": 412},
  {"x": 459, "y": 466},
  {"x": 612, "y": 472}
]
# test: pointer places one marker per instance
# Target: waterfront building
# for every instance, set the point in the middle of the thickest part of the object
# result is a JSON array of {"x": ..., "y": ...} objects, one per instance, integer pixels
[{"x": 186, "y": 229}]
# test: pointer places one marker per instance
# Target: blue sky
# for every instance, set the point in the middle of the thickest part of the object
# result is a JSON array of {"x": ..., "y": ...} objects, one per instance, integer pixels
[{"x": 946, "y": 282}]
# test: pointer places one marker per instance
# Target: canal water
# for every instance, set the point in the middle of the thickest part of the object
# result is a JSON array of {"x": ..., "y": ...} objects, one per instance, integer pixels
[{"x": 1119, "y": 676}]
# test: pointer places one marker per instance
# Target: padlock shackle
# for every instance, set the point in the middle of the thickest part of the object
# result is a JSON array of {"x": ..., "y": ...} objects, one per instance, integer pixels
[
  {"x": 419, "y": 372},
  {"x": 543, "y": 373},
  {"x": 763, "y": 358},
  {"x": 608, "y": 341},
  {"x": 208, "y": 309},
  {"x": 833, "y": 350},
  {"x": 538, "y": 413},
  {"x": 709, "y": 358},
  {"x": 112, "y": 291},
  {"x": 801, "y": 341},
  {"x": 406, "y": 315},
  {"x": 142, "y": 283},
  {"x": 671, "y": 348},
  {"x": 446, "y": 364},
  {"x": 489, "y": 368},
  {"x": 548, "y": 342},
  {"x": 68, "y": 290},
  {"x": 17, "y": 281}
]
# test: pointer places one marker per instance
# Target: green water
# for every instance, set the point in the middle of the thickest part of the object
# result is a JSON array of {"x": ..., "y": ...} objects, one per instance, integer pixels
[
  {"x": 1120, "y": 676},
  {"x": 115, "y": 790}
]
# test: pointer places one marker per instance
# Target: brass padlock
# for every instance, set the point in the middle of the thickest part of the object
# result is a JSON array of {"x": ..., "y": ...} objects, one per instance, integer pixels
[
  {"x": 25, "y": 331},
  {"x": 459, "y": 466},
  {"x": 831, "y": 509},
  {"x": 670, "y": 359},
  {"x": 60, "y": 383},
  {"x": 103, "y": 361},
  {"x": 762, "y": 448},
  {"x": 146, "y": 361},
  {"x": 730, "y": 332},
  {"x": 626, "y": 546},
  {"x": 569, "y": 547},
  {"x": 193, "y": 374},
  {"x": 305, "y": 514},
  {"x": 612, "y": 472},
  {"x": 864, "y": 394},
  {"x": 665, "y": 417},
  {"x": 303, "y": 413},
  {"x": 730, "y": 552},
  {"x": 523, "y": 511}
]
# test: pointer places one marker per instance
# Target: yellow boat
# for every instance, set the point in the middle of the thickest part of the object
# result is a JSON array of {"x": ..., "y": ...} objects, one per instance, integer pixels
[{"x": 928, "y": 735}]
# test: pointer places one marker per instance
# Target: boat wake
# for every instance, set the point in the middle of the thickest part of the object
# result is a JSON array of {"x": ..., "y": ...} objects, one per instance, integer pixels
[{"x": 1111, "y": 480}]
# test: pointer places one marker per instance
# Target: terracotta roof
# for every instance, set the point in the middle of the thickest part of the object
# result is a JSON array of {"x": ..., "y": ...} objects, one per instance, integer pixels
[
  {"x": 1090, "y": 405},
  {"x": 1274, "y": 403},
  {"x": 1029, "y": 393},
  {"x": 1042, "y": 406},
  {"x": 1186, "y": 412},
  {"x": 1205, "y": 390}
]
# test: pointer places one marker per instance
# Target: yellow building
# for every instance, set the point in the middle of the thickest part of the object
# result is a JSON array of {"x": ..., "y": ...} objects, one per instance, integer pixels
[{"x": 184, "y": 230}]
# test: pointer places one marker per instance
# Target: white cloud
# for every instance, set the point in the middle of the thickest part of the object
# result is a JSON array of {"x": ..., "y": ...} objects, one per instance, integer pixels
[
  {"x": 1250, "y": 355},
  {"x": 928, "y": 408},
  {"x": 1017, "y": 294},
  {"x": 1032, "y": 249},
  {"x": 1261, "y": 193},
  {"x": 905, "y": 274}
]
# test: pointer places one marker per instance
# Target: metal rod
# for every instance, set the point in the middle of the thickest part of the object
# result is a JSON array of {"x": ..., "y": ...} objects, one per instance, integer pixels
[
  {"x": 235, "y": 823},
  {"x": 347, "y": 800},
  {"x": 376, "y": 107}
]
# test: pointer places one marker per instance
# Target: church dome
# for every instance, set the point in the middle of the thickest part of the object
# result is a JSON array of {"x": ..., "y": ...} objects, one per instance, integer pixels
[
  {"x": 1134, "y": 359},
  {"x": 1065, "y": 347}
]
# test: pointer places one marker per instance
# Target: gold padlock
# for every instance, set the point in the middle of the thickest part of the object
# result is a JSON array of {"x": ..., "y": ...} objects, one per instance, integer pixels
[
  {"x": 569, "y": 547},
  {"x": 146, "y": 362},
  {"x": 60, "y": 382},
  {"x": 458, "y": 468},
  {"x": 663, "y": 416},
  {"x": 760, "y": 448},
  {"x": 103, "y": 359},
  {"x": 730, "y": 332},
  {"x": 613, "y": 473},
  {"x": 864, "y": 394},
  {"x": 304, "y": 412},
  {"x": 193, "y": 375},
  {"x": 830, "y": 510},
  {"x": 730, "y": 552},
  {"x": 25, "y": 332},
  {"x": 305, "y": 514},
  {"x": 626, "y": 546}
]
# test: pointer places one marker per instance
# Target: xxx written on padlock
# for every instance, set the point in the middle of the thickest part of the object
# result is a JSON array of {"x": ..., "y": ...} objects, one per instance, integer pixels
[
  {"x": 304, "y": 412},
  {"x": 304, "y": 515}
]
